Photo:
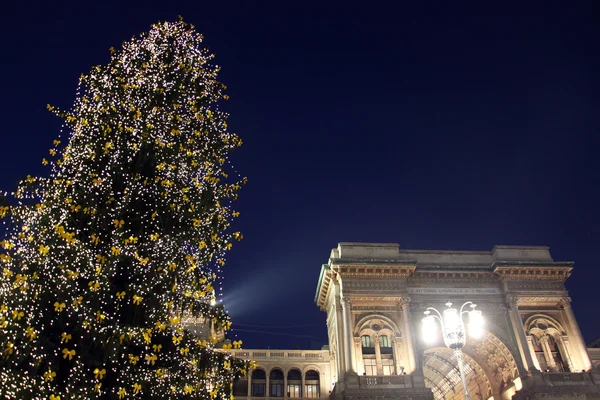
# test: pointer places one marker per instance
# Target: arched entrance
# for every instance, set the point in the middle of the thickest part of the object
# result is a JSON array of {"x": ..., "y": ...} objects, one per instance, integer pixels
[
  {"x": 442, "y": 376},
  {"x": 490, "y": 369}
]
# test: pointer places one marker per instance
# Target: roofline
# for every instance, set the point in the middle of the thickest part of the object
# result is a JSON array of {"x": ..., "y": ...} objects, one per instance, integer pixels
[{"x": 324, "y": 269}]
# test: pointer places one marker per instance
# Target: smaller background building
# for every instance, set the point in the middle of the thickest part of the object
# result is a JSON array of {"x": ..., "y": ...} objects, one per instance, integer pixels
[{"x": 286, "y": 374}]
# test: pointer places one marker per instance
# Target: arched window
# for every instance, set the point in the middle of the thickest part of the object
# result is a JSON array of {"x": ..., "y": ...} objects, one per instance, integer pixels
[
  {"x": 276, "y": 383},
  {"x": 294, "y": 380},
  {"x": 312, "y": 384},
  {"x": 547, "y": 345},
  {"x": 259, "y": 383},
  {"x": 367, "y": 345},
  {"x": 385, "y": 344}
]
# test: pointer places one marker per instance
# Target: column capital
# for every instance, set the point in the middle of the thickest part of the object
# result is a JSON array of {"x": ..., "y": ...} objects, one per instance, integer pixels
[
  {"x": 511, "y": 300},
  {"x": 544, "y": 339},
  {"x": 565, "y": 302},
  {"x": 404, "y": 302},
  {"x": 346, "y": 303}
]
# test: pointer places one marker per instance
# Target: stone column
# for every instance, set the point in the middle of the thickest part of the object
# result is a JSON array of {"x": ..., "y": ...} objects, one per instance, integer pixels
[
  {"x": 303, "y": 387},
  {"x": 547, "y": 353},
  {"x": 563, "y": 347},
  {"x": 285, "y": 388},
  {"x": 267, "y": 384},
  {"x": 532, "y": 352},
  {"x": 517, "y": 325},
  {"x": 250, "y": 384},
  {"x": 575, "y": 334},
  {"x": 378, "y": 356},
  {"x": 348, "y": 337},
  {"x": 410, "y": 343}
]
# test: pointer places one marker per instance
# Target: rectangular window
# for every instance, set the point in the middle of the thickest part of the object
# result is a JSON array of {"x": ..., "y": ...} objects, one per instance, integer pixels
[
  {"x": 294, "y": 391},
  {"x": 312, "y": 391},
  {"x": 276, "y": 390},
  {"x": 388, "y": 366},
  {"x": 370, "y": 366},
  {"x": 259, "y": 389}
]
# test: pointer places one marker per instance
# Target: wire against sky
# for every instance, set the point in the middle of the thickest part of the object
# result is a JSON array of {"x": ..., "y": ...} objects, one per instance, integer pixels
[
  {"x": 277, "y": 326},
  {"x": 275, "y": 333}
]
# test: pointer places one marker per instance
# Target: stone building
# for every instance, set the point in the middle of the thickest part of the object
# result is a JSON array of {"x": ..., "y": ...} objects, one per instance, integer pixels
[{"x": 375, "y": 296}]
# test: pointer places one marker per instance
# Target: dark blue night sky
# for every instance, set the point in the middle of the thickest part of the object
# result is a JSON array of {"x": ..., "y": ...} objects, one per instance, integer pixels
[{"x": 436, "y": 127}]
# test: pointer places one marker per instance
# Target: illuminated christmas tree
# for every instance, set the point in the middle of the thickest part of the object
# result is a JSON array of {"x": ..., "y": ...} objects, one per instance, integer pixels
[{"x": 108, "y": 258}]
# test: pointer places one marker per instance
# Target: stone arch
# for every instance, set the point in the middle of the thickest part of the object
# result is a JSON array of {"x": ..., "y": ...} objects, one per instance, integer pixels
[
  {"x": 492, "y": 365},
  {"x": 259, "y": 372},
  {"x": 259, "y": 382},
  {"x": 371, "y": 322},
  {"x": 535, "y": 324},
  {"x": 311, "y": 367},
  {"x": 276, "y": 382},
  {"x": 442, "y": 375},
  {"x": 496, "y": 359},
  {"x": 276, "y": 368}
]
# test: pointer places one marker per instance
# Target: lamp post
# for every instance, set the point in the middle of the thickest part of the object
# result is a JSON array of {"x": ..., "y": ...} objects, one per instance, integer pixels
[{"x": 453, "y": 330}]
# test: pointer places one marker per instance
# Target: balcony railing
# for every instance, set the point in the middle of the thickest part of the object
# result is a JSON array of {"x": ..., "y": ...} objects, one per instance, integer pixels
[
  {"x": 391, "y": 381},
  {"x": 314, "y": 355},
  {"x": 566, "y": 378}
]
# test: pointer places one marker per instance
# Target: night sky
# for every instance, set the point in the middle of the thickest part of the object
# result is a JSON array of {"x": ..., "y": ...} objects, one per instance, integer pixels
[{"x": 436, "y": 127}]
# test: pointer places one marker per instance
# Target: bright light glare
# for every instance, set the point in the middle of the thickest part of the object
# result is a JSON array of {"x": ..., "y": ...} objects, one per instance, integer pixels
[
  {"x": 451, "y": 319},
  {"x": 475, "y": 324},
  {"x": 429, "y": 329}
]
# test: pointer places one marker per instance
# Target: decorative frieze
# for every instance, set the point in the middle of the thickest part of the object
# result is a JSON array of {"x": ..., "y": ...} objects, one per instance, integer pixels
[
  {"x": 457, "y": 274},
  {"x": 375, "y": 285},
  {"x": 535, "y": 285}
]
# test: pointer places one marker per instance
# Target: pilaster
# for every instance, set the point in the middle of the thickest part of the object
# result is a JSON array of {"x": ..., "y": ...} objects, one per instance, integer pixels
[
  {"x": 532, "y": 352},
  {"x": 575, "y": 333},
  {"x": 348, "y": 341},
  {"x": 396, "y": 343},
  {"x": 517, "y": 324},
  {"x": 410, "y": 344},
  {"x": 360, "y": 367},
  {"x": 563, "y": 347}
]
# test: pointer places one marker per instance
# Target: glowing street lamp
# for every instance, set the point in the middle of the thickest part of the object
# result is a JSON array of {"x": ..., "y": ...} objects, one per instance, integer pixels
[{"x": 453, "y": 330}]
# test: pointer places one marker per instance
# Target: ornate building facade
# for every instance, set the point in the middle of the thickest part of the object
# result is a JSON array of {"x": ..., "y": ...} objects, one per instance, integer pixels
[{"x": 375, "y": 296}]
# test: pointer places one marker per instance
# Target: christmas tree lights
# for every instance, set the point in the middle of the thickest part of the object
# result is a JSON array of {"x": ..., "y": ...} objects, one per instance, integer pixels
[{"x": 109, "y": 257}]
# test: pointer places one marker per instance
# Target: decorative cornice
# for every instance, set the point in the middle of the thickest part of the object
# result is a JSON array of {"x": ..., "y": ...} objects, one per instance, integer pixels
[
  {"x": 369, "y": 271},
  {"x": 535, "y": 272},
  {"x": 323, "y": 287}
]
